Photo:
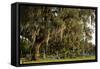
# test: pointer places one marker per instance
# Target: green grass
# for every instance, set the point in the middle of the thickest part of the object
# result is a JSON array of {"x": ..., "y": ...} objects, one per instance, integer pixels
[{"x": 59, "y": 60}]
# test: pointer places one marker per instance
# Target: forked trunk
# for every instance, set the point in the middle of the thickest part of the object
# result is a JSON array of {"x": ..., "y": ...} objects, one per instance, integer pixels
[{"x": 37, "y": 45}]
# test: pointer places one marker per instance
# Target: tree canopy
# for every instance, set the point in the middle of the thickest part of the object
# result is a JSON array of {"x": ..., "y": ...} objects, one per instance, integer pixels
[{"x": 56, "y": 31}]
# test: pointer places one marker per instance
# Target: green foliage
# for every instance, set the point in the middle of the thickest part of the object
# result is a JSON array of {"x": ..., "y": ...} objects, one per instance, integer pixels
[{"x": 53, "y": 31}]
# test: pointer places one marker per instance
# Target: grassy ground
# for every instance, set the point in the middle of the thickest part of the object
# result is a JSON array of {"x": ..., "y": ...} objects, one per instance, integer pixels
[{"x": 59, "y": 60}]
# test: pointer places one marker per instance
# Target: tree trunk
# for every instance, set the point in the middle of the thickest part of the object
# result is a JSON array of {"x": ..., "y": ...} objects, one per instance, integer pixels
[
  {"x": 37, "y": 45},
  {"x": 44, "y": 54},
  {"x": 36, "y": 51}
]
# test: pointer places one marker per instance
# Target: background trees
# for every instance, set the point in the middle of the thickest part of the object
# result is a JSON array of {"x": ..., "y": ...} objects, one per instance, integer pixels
[{"x": 56, "y": 33}]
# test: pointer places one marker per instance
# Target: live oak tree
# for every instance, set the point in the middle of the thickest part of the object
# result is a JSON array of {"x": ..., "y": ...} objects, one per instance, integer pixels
[{"x": 56, "y": 31}]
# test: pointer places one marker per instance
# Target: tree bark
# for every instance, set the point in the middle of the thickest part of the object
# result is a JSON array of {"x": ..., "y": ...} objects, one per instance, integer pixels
[
  {"x": 36, "y": 53},
  {"x": 37, "y": 45}
]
